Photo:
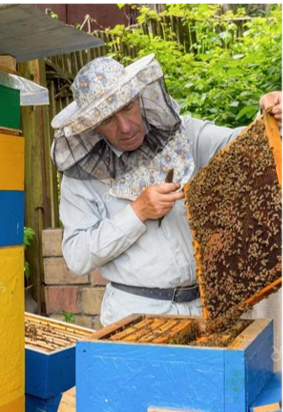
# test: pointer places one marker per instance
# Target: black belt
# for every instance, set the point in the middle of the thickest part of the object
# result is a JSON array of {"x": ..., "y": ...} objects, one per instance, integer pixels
[{"x": 178, "y": 295}]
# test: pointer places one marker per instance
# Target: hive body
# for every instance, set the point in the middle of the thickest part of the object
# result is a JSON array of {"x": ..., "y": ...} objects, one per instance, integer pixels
[{"x": 117, "y": 372}]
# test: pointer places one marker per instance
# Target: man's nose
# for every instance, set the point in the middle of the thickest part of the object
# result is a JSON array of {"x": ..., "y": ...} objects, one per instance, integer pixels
[{"x": 123, "y": 123}]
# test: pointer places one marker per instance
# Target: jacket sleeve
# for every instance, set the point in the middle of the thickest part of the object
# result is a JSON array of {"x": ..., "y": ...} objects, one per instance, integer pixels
[{"x": 92, "y": 238}]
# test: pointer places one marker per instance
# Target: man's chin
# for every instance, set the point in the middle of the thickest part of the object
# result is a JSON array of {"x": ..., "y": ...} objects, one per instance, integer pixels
[{"x": 130, "y": 146}]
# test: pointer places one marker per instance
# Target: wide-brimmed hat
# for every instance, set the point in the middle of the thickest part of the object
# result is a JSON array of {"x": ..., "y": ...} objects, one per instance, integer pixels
[{"x": 103, "y": 87}]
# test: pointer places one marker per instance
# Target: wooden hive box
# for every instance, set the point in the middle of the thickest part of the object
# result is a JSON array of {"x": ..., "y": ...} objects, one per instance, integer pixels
[
  {"x": 50, "y": 355},
  {"x": 144, "y": 364}
]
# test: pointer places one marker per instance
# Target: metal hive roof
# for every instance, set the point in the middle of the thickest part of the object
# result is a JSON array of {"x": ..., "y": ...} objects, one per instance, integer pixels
[{"x": 27, "y": 34}]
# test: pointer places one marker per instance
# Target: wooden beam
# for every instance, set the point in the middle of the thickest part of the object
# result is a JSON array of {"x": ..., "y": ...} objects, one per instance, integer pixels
[{"x": 8, "y": 64}]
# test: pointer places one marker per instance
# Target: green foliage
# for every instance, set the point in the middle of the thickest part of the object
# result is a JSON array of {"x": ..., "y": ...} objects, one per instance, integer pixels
[
  {"x": 28, "y": 237},
  {"x": 226, "y": 69},
  {"x": 69, "y": 317}
]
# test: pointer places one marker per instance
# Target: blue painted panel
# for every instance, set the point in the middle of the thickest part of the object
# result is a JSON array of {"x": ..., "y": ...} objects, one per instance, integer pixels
[
  {"x": 49, "y": 374},
  {"x": 271, "y": 393},
  {"x": 11, "y": 218},
  {"x": 34, "y": 404},
  {"x": 119, "y": 377},
  {"x": 235, "y": 381},
  {"x": 259, "y": 363},
  {"x": 247, "y": 370},
  {"x": 36, "y": 372}
]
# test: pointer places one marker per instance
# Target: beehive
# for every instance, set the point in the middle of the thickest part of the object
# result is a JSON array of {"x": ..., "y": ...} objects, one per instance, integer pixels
[
  {"x": 234, "y": 209},
  {"x": 11, "y": 253},
  {"x": 50, "y": 360},
  {"x": 147, "y": 363}
]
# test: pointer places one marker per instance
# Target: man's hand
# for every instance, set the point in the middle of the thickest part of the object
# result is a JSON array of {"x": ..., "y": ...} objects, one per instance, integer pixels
[
  {"x": 156, "y": 201},
  {"x": 273, "y": 99}
]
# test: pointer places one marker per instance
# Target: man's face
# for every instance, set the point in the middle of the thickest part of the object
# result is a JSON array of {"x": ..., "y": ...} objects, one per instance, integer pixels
[{"x": 124, "y": 130}]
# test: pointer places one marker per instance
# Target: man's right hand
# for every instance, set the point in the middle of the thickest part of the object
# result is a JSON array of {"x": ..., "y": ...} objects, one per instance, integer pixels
[{"x": 156, "y": 201}]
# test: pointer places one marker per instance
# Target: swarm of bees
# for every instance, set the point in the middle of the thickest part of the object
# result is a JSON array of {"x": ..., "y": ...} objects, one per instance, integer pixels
[{"x": 234, "y": 210}]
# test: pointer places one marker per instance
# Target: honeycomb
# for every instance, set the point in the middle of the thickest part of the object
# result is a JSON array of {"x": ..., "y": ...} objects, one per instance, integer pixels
[{"x": 234, "y": 211}]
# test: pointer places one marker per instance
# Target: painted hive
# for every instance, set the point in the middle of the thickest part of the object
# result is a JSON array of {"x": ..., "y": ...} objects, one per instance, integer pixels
[
  {"x": 234, "y": 209},
  {"x": 50, "y": 357},
  {"x": 11, "y": 253}
]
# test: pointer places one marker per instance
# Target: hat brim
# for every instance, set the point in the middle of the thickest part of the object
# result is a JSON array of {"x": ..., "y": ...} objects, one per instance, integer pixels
[{"x": 74, "y": 119}]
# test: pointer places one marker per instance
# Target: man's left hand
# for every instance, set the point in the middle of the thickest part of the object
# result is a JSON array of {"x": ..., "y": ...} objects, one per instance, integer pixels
[{"x": 273, "y": 99}]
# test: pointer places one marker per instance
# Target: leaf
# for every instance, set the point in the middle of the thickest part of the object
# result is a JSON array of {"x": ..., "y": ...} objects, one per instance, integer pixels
[{"x": 248, "y": 111}]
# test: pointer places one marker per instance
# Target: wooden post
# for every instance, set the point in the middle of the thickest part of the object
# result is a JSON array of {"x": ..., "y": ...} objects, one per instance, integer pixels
[{"x": 40, "y": 176}]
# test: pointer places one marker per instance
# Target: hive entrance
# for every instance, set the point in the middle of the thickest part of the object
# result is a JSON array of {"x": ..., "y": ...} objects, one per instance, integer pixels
[{"x": 234, "y": 209}]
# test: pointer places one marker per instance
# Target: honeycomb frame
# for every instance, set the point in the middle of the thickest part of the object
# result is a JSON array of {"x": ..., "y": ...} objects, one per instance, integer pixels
[{"x": 234, "y": 210}]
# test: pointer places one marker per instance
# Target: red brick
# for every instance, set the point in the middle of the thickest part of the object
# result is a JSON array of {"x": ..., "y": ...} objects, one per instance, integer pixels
[{"x": 59, "y": 298}]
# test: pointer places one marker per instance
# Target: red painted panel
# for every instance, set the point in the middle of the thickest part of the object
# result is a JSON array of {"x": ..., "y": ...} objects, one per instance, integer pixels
[{"x": 105, "y": 15}]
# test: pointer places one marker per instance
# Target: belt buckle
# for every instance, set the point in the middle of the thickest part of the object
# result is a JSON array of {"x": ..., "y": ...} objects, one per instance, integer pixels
[{"x": 175, "y": 293}]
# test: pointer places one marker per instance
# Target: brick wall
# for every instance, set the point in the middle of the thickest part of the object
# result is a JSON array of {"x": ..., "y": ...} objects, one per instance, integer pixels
[{"x": 79, "y": 295}]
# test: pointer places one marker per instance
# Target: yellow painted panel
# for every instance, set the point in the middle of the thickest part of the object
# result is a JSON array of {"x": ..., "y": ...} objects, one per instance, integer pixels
[
  {"x": 11, "y": 162},
  {"x": 12, "y": 339},
  {"x": 16, "y": 406}
]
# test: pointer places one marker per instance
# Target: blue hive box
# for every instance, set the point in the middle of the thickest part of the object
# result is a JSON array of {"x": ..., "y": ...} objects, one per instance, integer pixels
[
  {"x": 49, "y": 360},
  {"x": 117, "y": 376}
]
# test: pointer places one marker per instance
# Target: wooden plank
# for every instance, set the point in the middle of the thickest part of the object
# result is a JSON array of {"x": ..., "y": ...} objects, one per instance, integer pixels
[
  {"x": 246, "y": 337},
  {"x": 68, "y": 401},
  {"x": 10, "y": 108},
  {"x": 9, "y": 131},
  {"x": 143, "y": 372},
  {"x": 11, "y": 324},
  {"x": 274, "y": 407},
  {"x": 248, "y": 365},
  {"x": 12, "y": 218},
  {"x": 49, "y": 374},
  {"x": 12, "y": 149},
  {"x": 107, "y": 331},
  {"x": 35, "y": 122},
  {"x": 8, "y": 64},
  {"x": 17, "y": 405}
]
